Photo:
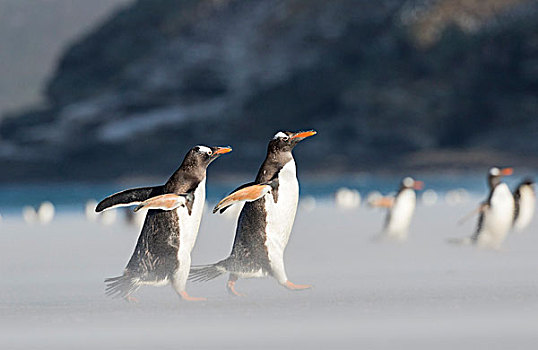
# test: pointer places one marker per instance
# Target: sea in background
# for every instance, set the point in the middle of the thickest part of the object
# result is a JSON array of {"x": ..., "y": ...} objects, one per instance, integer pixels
[{"x": 71, "y": 197}]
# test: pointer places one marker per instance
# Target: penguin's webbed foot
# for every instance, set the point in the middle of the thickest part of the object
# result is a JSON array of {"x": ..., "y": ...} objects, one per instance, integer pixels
[
  {"x": 292, "y": 286},
  {"x": 230, "y": 287},
  {"x": 131, "y": 299},
  {"x": 185, "y": 296}
]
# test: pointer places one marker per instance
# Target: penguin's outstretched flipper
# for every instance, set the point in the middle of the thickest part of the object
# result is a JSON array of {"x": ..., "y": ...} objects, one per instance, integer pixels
[
  {"x": 383, "y": 202},
  {"x": 128, "y": 197},
  {"x": 246, "y": 193},
  {"x": 481, "y": 208},
  {"x": 167, "y": 201}
]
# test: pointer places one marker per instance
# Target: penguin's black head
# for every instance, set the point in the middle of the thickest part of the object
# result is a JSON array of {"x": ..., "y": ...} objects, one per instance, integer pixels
[
  {"x": 495, "y": 175},
  {"x": 528, "y": 182},
  {"x": 203, "y": 155},
  {"x": 410, "y": 183},
  {"x": 285, "y": 141}
]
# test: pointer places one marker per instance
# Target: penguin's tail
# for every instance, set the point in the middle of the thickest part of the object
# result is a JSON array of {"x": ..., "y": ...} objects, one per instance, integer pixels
[
  {"x": 460, "y": 241},
  {"x": 204, "y": 273},
  {"x": 121, "y": 287}
]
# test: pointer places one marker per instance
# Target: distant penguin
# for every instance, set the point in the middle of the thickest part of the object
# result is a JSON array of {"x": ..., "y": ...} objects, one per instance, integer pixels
[
  {"x": 29, "y": 214},
  {"x": 401, "y": 208},
  {"x": 89, "y": 210},
  {"x": 496, "y": 214},
  {"x": 429, "y": 198},
  {"x": 307, "y": 203},
  {"x": 525, "y": 202},
  {"x": 45, "y": 213},
  {"x": 266, "y": 220},
  {"x": 108, "y": 217},
  {"x": 346, "y": 198},
  {"x": 135, "y": 219},
  {"x": 456, "y": 197},
  {"x": 163, "y": 251}
]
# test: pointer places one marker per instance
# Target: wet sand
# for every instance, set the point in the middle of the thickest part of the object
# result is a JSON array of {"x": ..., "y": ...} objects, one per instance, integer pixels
[{"x": 422, "y": 294}]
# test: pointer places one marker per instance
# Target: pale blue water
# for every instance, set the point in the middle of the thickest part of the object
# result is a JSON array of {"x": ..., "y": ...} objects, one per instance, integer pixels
[{"x": 73, "y": 196}]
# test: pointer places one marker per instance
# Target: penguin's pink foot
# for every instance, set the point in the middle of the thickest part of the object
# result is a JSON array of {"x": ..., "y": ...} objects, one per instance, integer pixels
[
  {"x": 187, "y": 297},
  {"x": 293, "y": 286},
  {"x": 131, "y": 299},
  {"x": 230, "y": 286}
]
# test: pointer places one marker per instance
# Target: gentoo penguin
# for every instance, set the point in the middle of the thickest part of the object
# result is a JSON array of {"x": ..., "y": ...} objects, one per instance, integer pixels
[
  {"x": 266, "y": 220},
  {"x": 163, "y": 251},
  {"x": 496, "y": 214},
  {"x": 400, "y": 209},
  {"x": 525, "y": 199}
]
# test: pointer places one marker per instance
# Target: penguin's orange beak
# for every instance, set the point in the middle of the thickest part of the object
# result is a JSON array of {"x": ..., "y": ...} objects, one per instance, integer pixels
[
  {"x": 418, "y": 185},
  {"x": 222, "y": 150},
  {"x": 303, "y": 135},
  {"x": 507, "y": 171}
]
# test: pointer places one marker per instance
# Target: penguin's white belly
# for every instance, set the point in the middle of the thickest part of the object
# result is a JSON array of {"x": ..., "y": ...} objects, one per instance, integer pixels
[
  {"x": 527, "y": 203},
  {"x": 252, "y": 274},
  {"x": 498, "y": 218},
  {"x": 281, "y": 215},
  {"x": 401, "y": 215},
  {"x": 158, "y": 283},
  {"x": 189, "y": 224}
]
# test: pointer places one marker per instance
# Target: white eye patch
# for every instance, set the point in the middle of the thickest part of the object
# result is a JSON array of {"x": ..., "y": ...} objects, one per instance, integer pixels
[
  {"x": 408, "y": 181},
  {"x": 204, "y": 149},
  {"x": 279, "y": 134},
  {"x": 494, "y": 171}
]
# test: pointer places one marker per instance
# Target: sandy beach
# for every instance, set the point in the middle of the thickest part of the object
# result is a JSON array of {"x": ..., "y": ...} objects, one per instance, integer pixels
[{"x": 422, "y": 294}]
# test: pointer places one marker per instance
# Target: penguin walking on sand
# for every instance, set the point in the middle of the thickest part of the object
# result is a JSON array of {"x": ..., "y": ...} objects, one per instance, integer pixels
[
  {"x": 401, "y": 208},
  {"x": 266, "y": 220},
  {"x": 496, "y": 214},
  {"x": 163, "y": 250},
  {"x": 525, "y": 202}
]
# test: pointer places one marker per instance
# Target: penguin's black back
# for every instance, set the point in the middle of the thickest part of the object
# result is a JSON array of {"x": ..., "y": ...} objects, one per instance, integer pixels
[
  {"x": 155, "y": 255},
  {"x": 249, "y": 252},
  {"x": 517, "y": 196},
  {"x": 517, "y": 201}
]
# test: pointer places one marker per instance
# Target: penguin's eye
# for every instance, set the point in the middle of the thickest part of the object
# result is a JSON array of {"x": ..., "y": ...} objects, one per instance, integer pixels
[
  {"x": 210, "y": 152},
  {"x": 286, "y": 138}
]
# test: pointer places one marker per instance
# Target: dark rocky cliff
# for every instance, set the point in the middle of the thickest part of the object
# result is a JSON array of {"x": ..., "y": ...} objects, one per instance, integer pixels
[{"x": 163, "y": 75}]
